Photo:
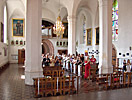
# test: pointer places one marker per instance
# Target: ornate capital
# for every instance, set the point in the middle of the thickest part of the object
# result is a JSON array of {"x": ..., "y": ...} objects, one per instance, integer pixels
[
  {"x": 103, "y": 2},
  {"x": 71, "y": 18}
]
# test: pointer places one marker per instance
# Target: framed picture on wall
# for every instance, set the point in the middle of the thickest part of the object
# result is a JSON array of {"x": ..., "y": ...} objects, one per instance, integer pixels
[
  {"x": 17, "y": 27},
  {"x": 89, "y": 36},
  {"x": 97, "y": 36}
]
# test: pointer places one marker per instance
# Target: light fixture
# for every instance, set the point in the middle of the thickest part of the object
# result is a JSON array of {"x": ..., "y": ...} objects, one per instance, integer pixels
[{"x": 58, "y": 28}]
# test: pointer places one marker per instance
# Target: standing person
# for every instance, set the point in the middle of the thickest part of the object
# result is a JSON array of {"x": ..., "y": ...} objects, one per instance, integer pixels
[
  {"x": 131, "y": 66},
  {"x": 124, "y": 65},
  {"x": 57, "y": 63},
  {"x": 52, "y": 61},
  {"x": 87, "y": 67},
  {"x": 46, "y": 61},
  {"x": 82, "y": 57},
  {"x": 128, "y": 65},
  {"x": 93, "y": 62}
]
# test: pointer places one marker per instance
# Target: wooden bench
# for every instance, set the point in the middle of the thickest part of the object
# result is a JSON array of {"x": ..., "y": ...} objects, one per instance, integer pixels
[
  {"x": 52, "y": 86},
  {"x": 51, "y": 68},
  {"x": 102, "y": 79},
  {"x": 54, "y": 73}
]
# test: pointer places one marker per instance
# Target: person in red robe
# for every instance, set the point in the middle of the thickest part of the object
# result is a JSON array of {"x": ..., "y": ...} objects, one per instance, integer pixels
[
  {"x": 93, "y": 62},
  {"x": 87, "y": 68}
]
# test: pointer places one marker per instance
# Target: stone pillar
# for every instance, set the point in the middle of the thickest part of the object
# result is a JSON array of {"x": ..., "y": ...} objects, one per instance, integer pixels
[
  {"x": 33, "y": 66},
  {"x": 105, "y": 45},
  {"x": 71, "y": 35}
]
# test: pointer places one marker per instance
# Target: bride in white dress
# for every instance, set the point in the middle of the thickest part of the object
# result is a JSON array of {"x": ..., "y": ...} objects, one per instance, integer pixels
[{"x": 128, "y": 65}]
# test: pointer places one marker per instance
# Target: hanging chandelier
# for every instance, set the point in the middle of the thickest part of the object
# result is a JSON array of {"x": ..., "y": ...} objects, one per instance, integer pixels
[{"x": 58, "y": 28}]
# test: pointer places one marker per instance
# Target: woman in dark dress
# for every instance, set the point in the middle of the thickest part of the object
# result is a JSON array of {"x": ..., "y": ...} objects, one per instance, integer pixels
[
  {"x": 124, "y": 65},
  {"x": 57, "y": 61}
]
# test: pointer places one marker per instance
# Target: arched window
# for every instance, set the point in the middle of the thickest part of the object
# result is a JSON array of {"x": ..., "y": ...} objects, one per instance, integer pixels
[
  {"x": 115, "y": 21},
  {"x": 84, "y": 30}
]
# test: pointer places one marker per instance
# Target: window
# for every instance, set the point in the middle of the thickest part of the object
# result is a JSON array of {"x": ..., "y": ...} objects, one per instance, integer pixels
[
  {"x": 84, "y": 30},
  {"x": 115, "y": 21}
]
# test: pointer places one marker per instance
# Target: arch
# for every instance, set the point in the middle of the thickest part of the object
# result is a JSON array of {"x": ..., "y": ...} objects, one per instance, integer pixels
[
  {"x": 17, "y": 12},
  {"x": 63, "y": 13},
  {"x": 75, "y": 7},
  {"x": 80, "y": 15},
  {"x": 96, "y": 21},
  {"x": 48, "y": 15},
  {"x": 48, "y": 46}
]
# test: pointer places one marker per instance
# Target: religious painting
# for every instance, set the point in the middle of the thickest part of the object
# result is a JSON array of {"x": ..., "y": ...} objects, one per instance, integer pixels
[
  {"x": 97, "y": 36},
  {"x": 17, "y": 27},
  {"x": 65, "y": 35},
  {"x": 89, "y": 37},
  {"x": 2, "y": 32}
]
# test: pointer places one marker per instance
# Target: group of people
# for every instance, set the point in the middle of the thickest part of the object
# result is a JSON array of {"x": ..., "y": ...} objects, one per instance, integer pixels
[
  {"x": 127, "y": 66},
  {"x": 64, "y": 61},
  {"x": 51, "y": 60}
]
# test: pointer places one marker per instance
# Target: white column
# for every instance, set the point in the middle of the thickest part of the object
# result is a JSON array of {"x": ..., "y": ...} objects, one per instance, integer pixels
[
  {"x": 5, "y": 24},
  {"x": 71, "y": 35},
  {"x": 33, "y": 41},
  {"x": 105, "y": 45}
]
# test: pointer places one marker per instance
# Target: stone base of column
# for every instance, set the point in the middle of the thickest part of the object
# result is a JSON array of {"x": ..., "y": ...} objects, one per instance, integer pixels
[
  {"x": 30, "y": 75},
  {"x": 103, "y": 70}
]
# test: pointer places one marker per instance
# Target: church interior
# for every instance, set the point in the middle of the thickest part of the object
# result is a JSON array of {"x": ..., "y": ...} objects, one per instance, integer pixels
[{"x": 65, "y": 49}]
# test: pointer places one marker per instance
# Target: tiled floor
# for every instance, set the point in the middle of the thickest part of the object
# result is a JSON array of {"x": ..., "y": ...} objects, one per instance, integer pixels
[{"x": 12, "y": 87}]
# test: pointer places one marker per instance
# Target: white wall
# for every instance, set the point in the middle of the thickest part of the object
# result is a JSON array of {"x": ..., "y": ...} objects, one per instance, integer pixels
[
  {"x": 16, "y": 9},
  {"x": 56, "y": 48},
  {"x": 125, "y": 29},
  {"x": 92, "y": 21},
  {"x": 3, "y": 58}
]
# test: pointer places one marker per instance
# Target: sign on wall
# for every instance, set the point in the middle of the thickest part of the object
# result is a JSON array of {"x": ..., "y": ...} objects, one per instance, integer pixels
[{"x": 17, "y": 27}]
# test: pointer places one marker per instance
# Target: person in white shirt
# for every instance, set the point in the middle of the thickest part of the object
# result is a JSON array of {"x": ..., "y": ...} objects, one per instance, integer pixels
[{"x": 128, "y": 65}]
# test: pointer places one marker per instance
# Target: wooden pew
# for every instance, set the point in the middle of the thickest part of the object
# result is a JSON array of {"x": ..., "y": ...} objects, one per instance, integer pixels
[
  {"x": 102, "y": 79},
  {"x": 51, "y": 68},
  {"x": 54, "y": 73},
  {"x": 116, "y": 80},
  {"x": 52, "y": 86}
]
